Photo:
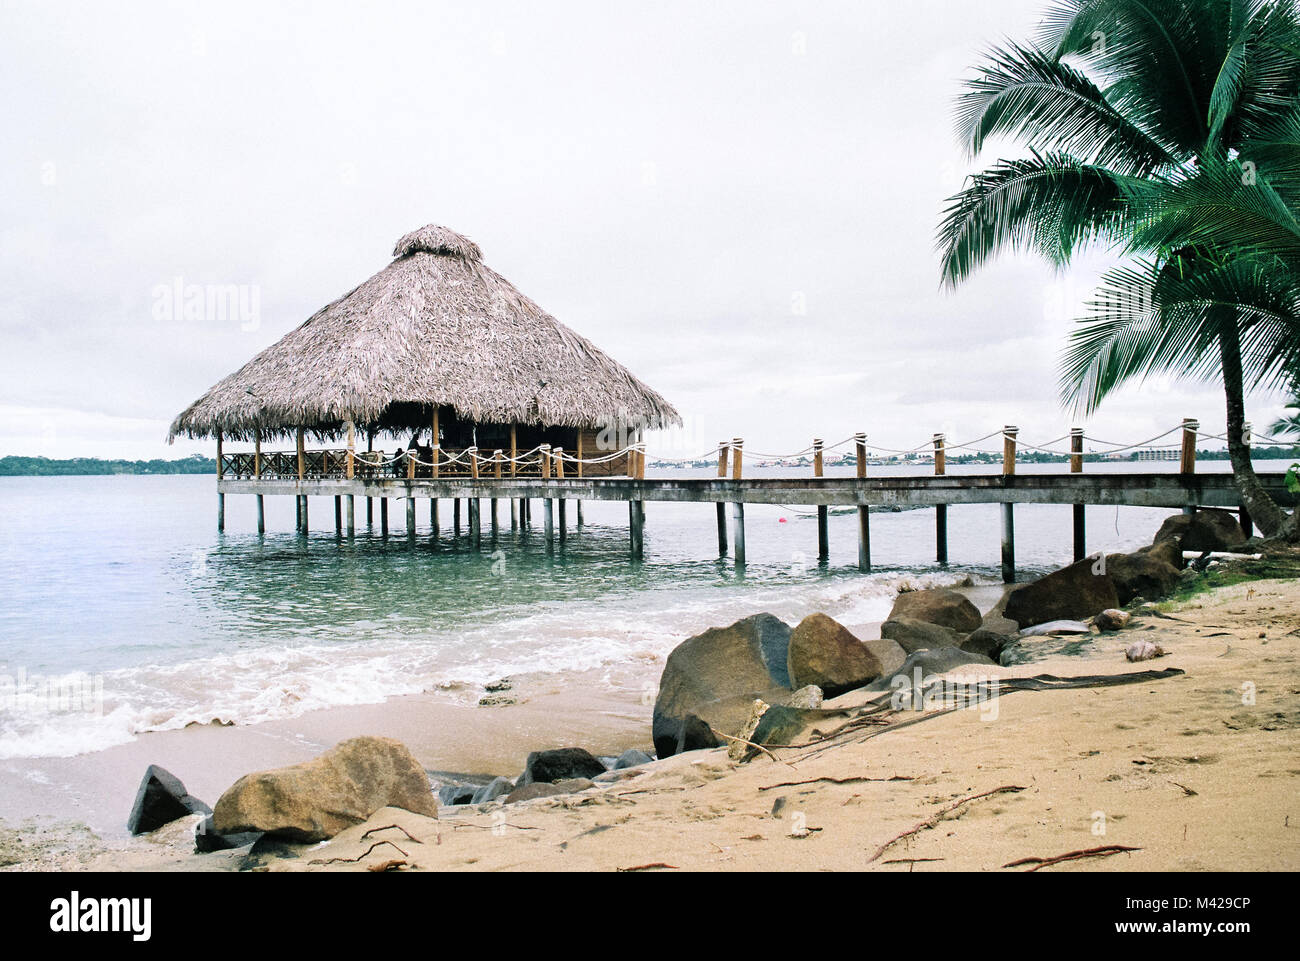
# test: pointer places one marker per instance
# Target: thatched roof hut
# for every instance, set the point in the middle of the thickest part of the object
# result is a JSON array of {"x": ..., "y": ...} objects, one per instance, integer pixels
[{"x": 435, "y": 328}]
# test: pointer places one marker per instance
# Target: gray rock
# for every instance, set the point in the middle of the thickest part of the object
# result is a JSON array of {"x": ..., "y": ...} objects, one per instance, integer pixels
[
  {"x": 527, "y": 792},
  {"x": 317, "y": 799},
  {"x": 161, "y": 799},
  {"x": 497, "y": 787},
  {"x": 1112, "y": 620},
  {"x": 717, "y": 674},
  {"x": 560, "y": 764},
  {"x": 1056, "y": 627},
  {"x": 1075, "y": 592},
  {"x": 807, "y": 698},
  {"x": 825, "y": 653},
  {"x": 694, "y": 734},
  {"x": 937, "y": 606},
  {"x": 985, "y": 642},
  {"x": 889, "y": 652},
  {"x": 1206, "y": 530},
  {"x": 1145, "y": 573},
  {"x": 913, "y": 636},
  {"x": 457, "y": 794},
  {"x": 207, "y": 839},
  {"x": 929, "y": 663},
  {"x": 632, "y": 758}
]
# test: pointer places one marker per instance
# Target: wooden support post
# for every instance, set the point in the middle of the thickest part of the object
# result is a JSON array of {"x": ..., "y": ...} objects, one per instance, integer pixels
[
  {"x": 370, "y": 505},
  {"x": 297, "y": 513},
  {"x": 722, "y": 508},
  {"x": 823, "y": 524},
  {"x": 738, "y": 525},
  {"x": 433, "y": 517},
  {"x": 410, "y": 517},
  {"x": 1080, "y": 522},
  {"x": 352, "y": 515},
  {"x": 940, "y": 510},
  {"x": 636, "y": 526},
  {"x": 579, "y": 454},
  {"x": 351, "y": 468},
  {"x": 257, "y": 472},
  {"x": 549, "y": 506},
  {"x": 579, "y": 515},
  {"x": 514, "y": 450},
  {"x": 1188, "y": 460},
  {"x": 306, "y": 525},
  {"x": 221, "y": 498},
  {"x": 475, "y": 522},
  {"x": 495, "y": 523},
  {"x": 864, "y": 538},
  {"x": 1008, "y": 544},
  {"x": 383, "y": 516},
  {"x": 557, "y": 456},
  {"x": 455, "y": 517},
  {"x": 302, "y": 455},
  {"x": 1008, "y": 510},
  {"x": 338, "y": 515},
  {"x": 564, "y": 521},
  {"x": 473, "y": 462}
]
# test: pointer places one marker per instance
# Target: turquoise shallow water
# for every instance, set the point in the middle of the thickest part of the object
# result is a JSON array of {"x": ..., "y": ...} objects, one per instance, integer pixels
[{"x": 126, "y": 581}]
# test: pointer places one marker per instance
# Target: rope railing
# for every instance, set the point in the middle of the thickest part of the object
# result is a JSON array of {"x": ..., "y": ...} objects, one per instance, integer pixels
[{"x": 548, "y": 459}]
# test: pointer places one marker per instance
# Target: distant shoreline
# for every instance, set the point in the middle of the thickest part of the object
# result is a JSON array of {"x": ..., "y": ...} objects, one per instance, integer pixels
[{"x": 15, "y": 466}]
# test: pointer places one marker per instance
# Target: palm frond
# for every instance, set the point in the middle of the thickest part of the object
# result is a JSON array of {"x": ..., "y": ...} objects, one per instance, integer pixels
[
  {"x": 1051, "y": 204},
  {"x": 1022, "y": 93}
]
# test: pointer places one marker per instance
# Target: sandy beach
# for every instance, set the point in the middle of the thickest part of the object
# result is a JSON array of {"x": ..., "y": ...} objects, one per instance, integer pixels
[{"x": 1186, "y": 770}]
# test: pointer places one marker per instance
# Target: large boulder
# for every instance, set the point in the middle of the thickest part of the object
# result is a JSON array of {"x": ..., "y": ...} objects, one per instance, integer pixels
[
  {"x": 1206, "y": 530},
  {"x": 913, "y": 635},
  {"x": 938, "y": 606},
  {"x": 561, "y": 764},
  {"x": 161, "y": 799},
  {"x": 1144, "y": 573},
  {"x": 1076, "y": 592},
  {"x": 825, "y": 653},
  {"x": 717, "y": 675},
  {"x": 319, "y": 798},
  {"x": 890, "y": 654}
]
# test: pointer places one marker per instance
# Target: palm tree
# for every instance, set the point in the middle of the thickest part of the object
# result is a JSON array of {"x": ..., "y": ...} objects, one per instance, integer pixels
[{"x": 1169, "y": 131}]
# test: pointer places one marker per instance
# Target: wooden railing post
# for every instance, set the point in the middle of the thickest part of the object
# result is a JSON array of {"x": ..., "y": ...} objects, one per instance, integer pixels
[
  {"x": 410, "y": 464},
  {"x": 221, "y": 498},
  {"x": 302, "y": 455},
  {"x": 473, "y": 462},
  {"x": 558, "y": 454},
  {"x": 860, "y": 449},
  {"x": 257, "y": 473},
  {"x": 1076, "y": 467},
  {"x": 497, "y": 459},
  {"x": 435, "y": 446},
  {"x": 514, "y": 451},
  {"x": 738, "y": 506},
  {"x": 221, "y": 467},
  {"x": 940, "y": 510},
  {"x": 1190, "y": 428},
  {"x": 1009, "y": 449},
  {"x": 823, "y": 525},
  {"x": 545, "y": 454}
]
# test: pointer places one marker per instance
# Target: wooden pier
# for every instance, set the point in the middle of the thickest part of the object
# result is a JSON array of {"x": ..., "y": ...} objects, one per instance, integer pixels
[{"x": 474, "y": 476}]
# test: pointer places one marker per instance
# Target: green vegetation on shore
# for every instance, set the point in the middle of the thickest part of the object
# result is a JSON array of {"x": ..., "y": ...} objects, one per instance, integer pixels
[{"x": 13, "y": 466}]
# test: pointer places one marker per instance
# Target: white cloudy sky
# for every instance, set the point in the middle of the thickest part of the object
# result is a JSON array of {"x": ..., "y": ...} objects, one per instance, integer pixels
[{"x": 671, "y": 179}]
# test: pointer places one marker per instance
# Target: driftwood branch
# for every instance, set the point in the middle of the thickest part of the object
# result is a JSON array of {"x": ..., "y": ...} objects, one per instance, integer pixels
[
  {"x": 1101, "y": 852},
  {"x": 941, "y": 815},
  {"x": 837, "y": 780},
  {"x": 759, "y": 747},
  {"x": 362, "y": 855},
  {"x": 392, "y": 827},
  {"x": 656, "y": 866}
]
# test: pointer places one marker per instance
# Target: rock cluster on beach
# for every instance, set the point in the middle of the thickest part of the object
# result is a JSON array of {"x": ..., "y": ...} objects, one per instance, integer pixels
[{"x": 752, "y": 686}]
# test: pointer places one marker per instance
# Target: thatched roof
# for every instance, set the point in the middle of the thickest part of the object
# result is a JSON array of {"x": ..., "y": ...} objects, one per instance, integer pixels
[{"x": 435, "y": 327}]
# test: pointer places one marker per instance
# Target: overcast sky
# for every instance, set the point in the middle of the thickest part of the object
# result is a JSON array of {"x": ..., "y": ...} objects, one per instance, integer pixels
[{"x": 736, "y": 200}]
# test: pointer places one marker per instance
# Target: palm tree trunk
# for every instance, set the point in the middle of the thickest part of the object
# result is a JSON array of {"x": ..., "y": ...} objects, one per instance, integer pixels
[{"x": 1268, "y": 517}]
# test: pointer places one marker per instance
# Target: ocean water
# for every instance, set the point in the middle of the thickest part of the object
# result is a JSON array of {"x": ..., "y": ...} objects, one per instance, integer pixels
[{"x": 126, "y": 611}]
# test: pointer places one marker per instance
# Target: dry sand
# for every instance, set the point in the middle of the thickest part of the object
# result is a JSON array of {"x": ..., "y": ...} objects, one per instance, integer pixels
[{"x": 1184, "y": 769}]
